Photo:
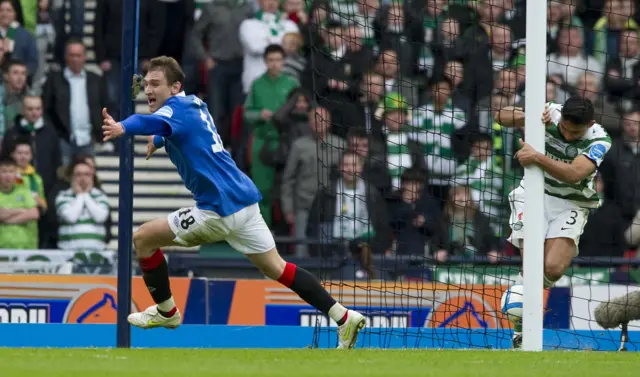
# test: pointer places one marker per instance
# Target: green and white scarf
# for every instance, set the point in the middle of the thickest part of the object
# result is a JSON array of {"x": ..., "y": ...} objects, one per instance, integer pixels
[{"x": 272, "y": 20}]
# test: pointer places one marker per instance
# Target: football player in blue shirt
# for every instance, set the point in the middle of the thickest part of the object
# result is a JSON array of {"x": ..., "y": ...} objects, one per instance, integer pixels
[{"x": 226, "y": 203}]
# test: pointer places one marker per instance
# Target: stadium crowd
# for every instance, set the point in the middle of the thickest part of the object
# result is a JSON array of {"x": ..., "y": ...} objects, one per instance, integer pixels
[{"x": 364, "y": 121}]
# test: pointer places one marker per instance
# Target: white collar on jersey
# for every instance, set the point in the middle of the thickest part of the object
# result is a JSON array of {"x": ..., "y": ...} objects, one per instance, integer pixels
[{"x": 181, "y": 94}]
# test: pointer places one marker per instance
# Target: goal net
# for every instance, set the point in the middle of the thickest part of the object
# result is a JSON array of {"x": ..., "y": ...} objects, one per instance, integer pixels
[{"x": 413, "y": 209}]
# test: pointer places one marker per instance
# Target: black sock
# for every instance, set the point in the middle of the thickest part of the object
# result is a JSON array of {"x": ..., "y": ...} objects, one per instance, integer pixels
[
  {"x": 307, "y": 287},
  {"x": 155, "y": 273}
]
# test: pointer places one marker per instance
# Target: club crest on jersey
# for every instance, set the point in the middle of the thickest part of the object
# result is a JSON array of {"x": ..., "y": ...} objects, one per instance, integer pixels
[{"x": 571, "y": 151}]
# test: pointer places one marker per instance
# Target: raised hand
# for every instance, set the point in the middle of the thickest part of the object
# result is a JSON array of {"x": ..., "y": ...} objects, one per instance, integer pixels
[{"x": 110, "y": 128}]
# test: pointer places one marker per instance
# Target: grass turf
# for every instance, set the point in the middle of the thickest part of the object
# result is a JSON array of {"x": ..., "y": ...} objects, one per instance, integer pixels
[{"x": 302, "y": 363}]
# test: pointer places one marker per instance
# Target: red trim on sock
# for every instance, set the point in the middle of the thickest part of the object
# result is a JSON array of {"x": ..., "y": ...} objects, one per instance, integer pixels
[
  {"x": 289, "y": 272},
  {"x": 151, "y": 263},
  {"x": 171, "y": 312},
  {"x": 344, "y": 318}
]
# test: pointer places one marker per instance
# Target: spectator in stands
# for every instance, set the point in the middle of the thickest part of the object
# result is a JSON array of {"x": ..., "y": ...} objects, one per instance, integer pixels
[
  {"x": 570, "y": 61},
  {"x": 176, "y": 20},
  {"x": 481, "y": 173},
  {"x": 309, "y": 166},
  {"x": 617, "y": 15},
  {"x": 403, "y": 151},
  {"x": 218, "y": 28},
  {"x": 588, "y": 86},
  {"x": 500, "y": 47},
  {"x": 621, "y": 167},
  {"x": 414, "y": 216},
  {"x": 107, "y": 39},
  {"x": 371, "y": 93},
  {"x": 464, "y": 230},
  {"x": 292, "y": 119},
  {"x": 440, "y": 124},
  {"x": 268, "y": 93},
  {"x": 85, "y": 92},
  {"x": 351, "y": 211},
  {"x": 396, "y": 30},
  {"x": 15, "y": 89},
  {"x": 334, "y": 77},
  {"x": 294, "y": 62},
  {"x": 33, "y": 125},
  {"x": 394, "y": 82},
  {"x": 622, "y": 81},
  {"x": 45, "y": 38},
  {"x": 82, "y": 211},
  {"x": 76, "y": 23},
  {"x": 18, "y": 210},
  {"x": 454, "y": 72},
  {"x": 27, "y": 176},
  {"x": 19, "y": 44},
  {"x": 374, "y": 169},
  {"x": 268, "y": 27},
  {"x": 295, "y": 11},
  {"x": 604, "y": 234}
]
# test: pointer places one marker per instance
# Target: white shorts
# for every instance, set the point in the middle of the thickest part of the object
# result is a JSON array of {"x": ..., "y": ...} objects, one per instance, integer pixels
[
  {"x": 245, "y": 230},
  {"x": 563, "y": 219}
]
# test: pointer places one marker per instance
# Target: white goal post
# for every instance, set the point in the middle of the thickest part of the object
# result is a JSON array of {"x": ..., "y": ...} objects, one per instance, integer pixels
[{"x": 535, "y": 93}]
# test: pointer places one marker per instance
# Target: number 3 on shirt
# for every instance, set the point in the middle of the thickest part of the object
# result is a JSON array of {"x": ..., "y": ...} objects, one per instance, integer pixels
[{"x": 217, "y": 141}]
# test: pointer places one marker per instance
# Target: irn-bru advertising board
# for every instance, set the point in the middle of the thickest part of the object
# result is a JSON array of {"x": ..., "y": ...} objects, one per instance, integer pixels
[{"x": 93, "y": 299}]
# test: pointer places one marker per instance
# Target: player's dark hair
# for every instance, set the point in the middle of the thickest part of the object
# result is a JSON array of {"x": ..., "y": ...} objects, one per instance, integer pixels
[
  {"x": 413, "y": 175},
  {"x": 273, "y": 48},
  {"x": 7, "y": 160},
  {"x": 359, "y": 132},
  {"x": 578, "y": 110},
  {"x": 171, "y": 68}
]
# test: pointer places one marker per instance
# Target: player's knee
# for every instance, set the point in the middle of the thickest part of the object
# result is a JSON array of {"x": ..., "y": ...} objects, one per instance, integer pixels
[
  {"x": 140, "y": 243},
  {"x": 554, "y": 271}
]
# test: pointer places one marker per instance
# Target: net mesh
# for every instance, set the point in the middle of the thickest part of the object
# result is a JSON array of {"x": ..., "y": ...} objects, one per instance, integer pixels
[{"x": 414, "y": 184}]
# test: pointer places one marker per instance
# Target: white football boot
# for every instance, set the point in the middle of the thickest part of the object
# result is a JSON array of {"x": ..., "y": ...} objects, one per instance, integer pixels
[
  {"x": 150, "y": 318},
  {"x": 348, "y": 331}
]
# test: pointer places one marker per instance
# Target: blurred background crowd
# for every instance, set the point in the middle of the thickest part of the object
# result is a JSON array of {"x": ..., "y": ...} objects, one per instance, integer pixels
[{"x": 365, "y": 123}]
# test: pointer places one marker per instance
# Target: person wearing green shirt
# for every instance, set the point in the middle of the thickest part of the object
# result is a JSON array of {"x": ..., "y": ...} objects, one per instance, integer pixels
[
  {"x": 267, "y": 94},
  {"x": 18, "y": 210}
]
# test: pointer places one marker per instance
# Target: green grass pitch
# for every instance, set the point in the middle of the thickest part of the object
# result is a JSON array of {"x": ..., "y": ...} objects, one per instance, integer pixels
[{"x": 28, "y": 362}]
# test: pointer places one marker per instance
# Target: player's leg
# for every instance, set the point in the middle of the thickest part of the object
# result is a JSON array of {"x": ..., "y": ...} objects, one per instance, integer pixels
[
  {"x": 563, "y": 237},
  {"x": 147, "y": 241},
  {"x": 254, "y": 239}
]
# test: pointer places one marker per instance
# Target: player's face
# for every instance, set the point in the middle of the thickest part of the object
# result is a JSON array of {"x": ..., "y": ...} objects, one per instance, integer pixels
[
  {"x": 158, "y": 89},
  {"x": 8, "y": 175},
  {"x": 22, "y": 155},
  {"x": 571, "y": 131}
]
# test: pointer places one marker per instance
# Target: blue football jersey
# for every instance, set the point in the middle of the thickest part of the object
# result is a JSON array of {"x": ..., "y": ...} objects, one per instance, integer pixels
[{"x": 205, "y": 166}]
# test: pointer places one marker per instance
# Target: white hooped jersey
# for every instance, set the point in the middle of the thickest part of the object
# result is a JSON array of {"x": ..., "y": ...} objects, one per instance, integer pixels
[{"x": 594, "y": 145}]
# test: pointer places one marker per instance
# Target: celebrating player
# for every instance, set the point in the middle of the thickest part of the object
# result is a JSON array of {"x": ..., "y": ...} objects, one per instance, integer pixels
[
  {"x": 575, "y": 146},
  {"x": 226, "y": 203}
]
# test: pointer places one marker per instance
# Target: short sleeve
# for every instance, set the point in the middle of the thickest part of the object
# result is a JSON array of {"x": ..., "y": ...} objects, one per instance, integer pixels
[
  {"x": 555, "y": 111},
  {"x": 596, "y": 151},
  {"x": 170, "y": 114}
]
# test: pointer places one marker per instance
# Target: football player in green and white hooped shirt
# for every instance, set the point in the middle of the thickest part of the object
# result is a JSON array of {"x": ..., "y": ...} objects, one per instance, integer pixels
[{"x": 575, "y": 147}]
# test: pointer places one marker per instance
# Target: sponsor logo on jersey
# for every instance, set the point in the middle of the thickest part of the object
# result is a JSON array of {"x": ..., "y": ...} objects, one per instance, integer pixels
[{"x": 597, "y": 152}]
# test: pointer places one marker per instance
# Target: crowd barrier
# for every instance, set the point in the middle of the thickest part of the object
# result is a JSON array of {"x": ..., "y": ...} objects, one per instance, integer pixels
[{"x": 50, "y": 310}]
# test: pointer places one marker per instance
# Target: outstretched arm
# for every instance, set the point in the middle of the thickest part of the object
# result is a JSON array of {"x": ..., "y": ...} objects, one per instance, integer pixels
[{"x": 136, "y": 124}]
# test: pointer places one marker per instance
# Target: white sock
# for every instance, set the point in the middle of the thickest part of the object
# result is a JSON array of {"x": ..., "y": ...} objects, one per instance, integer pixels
[
  {"x": 168, "y": 305},
  {"x": 337, "y": 312}
]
